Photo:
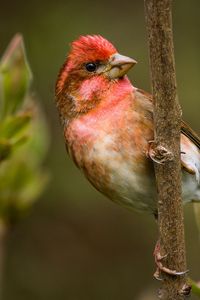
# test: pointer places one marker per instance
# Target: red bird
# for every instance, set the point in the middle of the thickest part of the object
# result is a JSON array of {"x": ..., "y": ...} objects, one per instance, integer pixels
[{"x": 108, "y": 124}]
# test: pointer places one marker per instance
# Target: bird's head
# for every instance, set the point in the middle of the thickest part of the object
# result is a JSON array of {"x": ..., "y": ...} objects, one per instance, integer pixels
[{"x": 92, "y": 62}]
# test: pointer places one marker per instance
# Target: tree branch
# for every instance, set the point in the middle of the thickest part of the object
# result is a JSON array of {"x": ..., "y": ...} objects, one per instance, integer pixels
[{"x": 165, "y": 151}]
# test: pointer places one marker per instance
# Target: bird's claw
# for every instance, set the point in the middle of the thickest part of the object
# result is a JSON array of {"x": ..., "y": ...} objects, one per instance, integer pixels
[
  {"x": 158, "y": 154},
  {"x": 161, "y": 268},
  {"x": 157, "y": 276},
  {"x": 186, "y": 289}
]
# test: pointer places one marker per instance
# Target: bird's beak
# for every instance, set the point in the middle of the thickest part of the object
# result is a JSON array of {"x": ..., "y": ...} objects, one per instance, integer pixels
[{"x": 119, "y": 65}]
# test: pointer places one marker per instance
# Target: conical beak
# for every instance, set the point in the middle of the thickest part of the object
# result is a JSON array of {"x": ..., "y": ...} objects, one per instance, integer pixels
[{"x": 119, "y": 65}]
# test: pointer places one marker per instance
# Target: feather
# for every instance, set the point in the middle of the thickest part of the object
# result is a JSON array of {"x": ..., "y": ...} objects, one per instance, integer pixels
[{"x": 190, "y": 133}]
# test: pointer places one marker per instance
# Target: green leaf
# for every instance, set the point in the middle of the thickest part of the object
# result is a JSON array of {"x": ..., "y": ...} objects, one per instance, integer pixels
[
  {"x": 23, "y": 136},
  {"x": 20, "y": 185},
  {"x": 15, "y": 77},
  {"x": 195, "y": 287},
  {"x": 14, "y": 125},
  {"x": 5, "y": 149},
  {"x": 38, "y": 135}
]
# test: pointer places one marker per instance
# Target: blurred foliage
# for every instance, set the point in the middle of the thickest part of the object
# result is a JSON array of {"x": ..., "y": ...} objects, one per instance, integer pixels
[
  {"x": 23, "y": 135},
  {"x": 195, "y": 287},
  {"x": 197, "y": 215},
  {"x": 77, "y": 245}
]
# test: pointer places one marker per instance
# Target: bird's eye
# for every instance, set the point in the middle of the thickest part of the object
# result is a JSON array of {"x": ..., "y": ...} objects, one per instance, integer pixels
[{"x": 91, "y": 67}]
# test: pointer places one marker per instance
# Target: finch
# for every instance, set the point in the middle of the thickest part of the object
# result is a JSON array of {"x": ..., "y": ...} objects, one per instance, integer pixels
[{"x": 108, "y": 124}]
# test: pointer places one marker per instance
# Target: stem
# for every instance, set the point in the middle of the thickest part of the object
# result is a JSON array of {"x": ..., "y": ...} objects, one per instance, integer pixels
[{"x": 167, "y": 116}]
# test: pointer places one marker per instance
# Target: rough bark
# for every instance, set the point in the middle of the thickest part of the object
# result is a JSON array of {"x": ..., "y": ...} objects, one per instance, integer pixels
[{"x": 166, "y": 148}]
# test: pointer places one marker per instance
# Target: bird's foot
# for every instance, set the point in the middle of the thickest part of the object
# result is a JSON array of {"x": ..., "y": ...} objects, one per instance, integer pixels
[
  {"x": 158, "y": 153},
  {"x": 186, "y": 289},
  {"x": 161, "y": 268}
]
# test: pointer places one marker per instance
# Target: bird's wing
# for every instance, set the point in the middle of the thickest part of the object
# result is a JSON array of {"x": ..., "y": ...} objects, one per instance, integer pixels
[
  {"x": 190, "y": 133},
  {"x": 190, "y": 150},
  {"x": 190, "y": 141}
]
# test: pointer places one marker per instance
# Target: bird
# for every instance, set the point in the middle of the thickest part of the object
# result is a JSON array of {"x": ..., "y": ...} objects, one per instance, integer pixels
[{"x": 108, "y": 125}]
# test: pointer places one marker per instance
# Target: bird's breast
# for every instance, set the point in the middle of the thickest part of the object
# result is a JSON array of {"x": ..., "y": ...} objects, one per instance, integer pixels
[{"x": 112, "y": 156}]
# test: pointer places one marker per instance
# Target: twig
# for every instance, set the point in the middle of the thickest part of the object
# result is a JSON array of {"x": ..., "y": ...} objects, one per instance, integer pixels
[{"x": 167, "y": 116}]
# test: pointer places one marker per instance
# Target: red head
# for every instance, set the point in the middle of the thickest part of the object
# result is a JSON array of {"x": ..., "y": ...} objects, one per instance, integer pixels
[
  {"x": 90, "y": 48},
  {"x": 91, "y": 65}
]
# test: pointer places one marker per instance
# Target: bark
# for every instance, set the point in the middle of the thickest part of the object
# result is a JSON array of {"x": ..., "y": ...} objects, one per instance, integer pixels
[{"x": 166, "y": 147}]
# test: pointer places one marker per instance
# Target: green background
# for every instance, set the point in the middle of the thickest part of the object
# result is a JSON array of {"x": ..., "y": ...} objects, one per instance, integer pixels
[{"x": 75, "y": 244}]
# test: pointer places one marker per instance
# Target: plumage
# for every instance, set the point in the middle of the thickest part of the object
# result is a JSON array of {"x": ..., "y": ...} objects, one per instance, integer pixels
[{"x": 108, "y": 124}]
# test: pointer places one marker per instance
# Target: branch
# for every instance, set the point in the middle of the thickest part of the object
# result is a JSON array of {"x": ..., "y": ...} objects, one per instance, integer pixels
[{"x": 165, "y": 150}]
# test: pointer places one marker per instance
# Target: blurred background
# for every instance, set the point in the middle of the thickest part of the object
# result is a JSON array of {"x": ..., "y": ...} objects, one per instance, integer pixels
[{"x": 75, "y": 244}]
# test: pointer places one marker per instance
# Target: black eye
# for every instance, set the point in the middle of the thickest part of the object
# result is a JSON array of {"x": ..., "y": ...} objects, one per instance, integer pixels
[{"x": 91, "y": 67}]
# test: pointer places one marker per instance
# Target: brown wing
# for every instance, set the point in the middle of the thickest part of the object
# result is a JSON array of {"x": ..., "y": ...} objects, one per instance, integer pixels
[
  {"x": 188, "y": 164},
  {"x": 185, "y": 128},
  {"x": 187, "y": 150},
  {"x": 190, "y": 133}
]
